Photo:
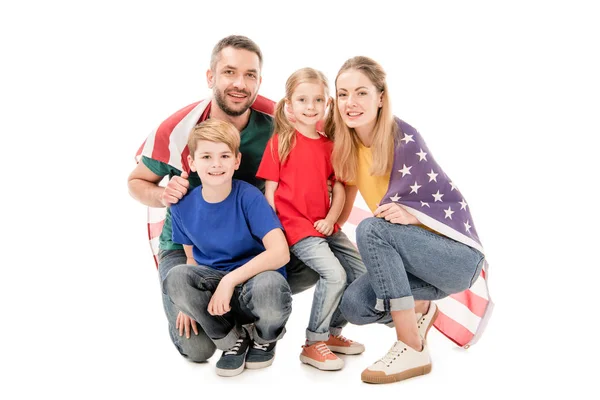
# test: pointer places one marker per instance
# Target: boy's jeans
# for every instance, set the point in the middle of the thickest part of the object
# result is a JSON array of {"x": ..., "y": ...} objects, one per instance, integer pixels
[
  {"x": 338, "y": 263},
  {"x": 405, "y": 262},
  {"x": 199, "y": 348},
  {"x": 265, "y": 300}
]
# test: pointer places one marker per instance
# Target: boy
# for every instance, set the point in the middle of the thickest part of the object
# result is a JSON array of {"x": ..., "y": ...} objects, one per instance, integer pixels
[{"x": 236, "y": 252}]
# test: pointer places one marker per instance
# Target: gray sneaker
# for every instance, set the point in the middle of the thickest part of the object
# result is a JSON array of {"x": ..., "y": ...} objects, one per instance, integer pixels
[
  {"x": 232, "y": 361},
  {"x": 260, "y": 355}
]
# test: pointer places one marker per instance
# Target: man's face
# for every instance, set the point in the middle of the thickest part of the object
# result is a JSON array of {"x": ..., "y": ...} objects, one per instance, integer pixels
[{"x": 235, "y": 80}]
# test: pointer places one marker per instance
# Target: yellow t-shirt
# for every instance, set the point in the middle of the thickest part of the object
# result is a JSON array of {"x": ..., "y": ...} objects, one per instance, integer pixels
[{"x": 371, "y": 188}]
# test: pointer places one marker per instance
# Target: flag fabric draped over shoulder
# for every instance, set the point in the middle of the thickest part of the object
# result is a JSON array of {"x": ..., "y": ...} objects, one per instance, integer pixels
[{"x": 462, "y": 316}]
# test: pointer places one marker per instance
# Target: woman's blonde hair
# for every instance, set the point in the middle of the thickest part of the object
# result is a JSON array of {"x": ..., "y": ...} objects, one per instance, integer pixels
[
  {"x": 283, "y": 127},
  {"x": 216, "y": 131},
  {"x": 345, "y": 148}
]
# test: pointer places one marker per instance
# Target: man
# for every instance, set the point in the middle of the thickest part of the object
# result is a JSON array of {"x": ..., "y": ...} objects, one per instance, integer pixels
[{"x": 234, "y": 77}]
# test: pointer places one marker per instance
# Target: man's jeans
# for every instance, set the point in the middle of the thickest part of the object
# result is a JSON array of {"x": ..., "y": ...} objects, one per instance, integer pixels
[
  {"x": 404, "y": 263},
  {"x": 199, "y": 348},
  {"x": 338, "y": 263},
  {"x": 265, "y": 300}
]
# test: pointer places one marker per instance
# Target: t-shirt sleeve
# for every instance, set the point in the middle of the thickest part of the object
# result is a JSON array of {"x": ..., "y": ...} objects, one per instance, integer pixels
[
  {"x": 259, "y": 214},
  {"x": 159, "y": 167},
  {"x": 269, "y": 166},
  {"x": 179, "y": 235}
]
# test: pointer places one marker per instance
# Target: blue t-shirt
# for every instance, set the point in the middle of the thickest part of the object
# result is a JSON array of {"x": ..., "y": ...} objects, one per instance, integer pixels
[{"x": 228, "y": 234}]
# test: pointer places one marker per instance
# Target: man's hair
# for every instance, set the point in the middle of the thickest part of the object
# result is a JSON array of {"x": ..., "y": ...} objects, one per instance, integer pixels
[
  {"x": 237, "y": 42},
  {"x": 216, "y": 131}
]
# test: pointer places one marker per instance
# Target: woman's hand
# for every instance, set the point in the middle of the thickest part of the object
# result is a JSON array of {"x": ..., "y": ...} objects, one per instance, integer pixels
[{"x": 394, "y": 213}]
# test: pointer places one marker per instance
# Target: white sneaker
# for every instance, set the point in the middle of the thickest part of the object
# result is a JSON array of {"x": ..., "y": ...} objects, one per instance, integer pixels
[
  {"x": 401, "y": 362},
  {"x": 425, "y": 322}
]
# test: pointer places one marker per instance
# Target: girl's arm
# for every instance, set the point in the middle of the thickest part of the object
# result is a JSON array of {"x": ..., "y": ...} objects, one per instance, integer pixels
[
  {"x": 189, "y": 253},
  {"x": 270, "y": 187},
  {"x": 338, "y": 198},
  {"x": 350, "y": 192}
]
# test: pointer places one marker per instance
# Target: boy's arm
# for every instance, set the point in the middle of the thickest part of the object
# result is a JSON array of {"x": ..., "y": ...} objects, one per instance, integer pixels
[
  {"x": 270, "y": 188},
  {"x": 189, "y": 253},
  {"x": 275, "y": 256},
  {"x": 350, "y": 191},
  {"x": 325, "y": 226}
]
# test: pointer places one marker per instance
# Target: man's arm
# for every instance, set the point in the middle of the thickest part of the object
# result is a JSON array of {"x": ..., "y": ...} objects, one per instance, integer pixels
[
  {"x": 143, "y": 186},
  {"x": 351, "y": 191}
]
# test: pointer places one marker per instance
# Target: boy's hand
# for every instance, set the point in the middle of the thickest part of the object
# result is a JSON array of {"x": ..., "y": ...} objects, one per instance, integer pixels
[
  {"x": 184, "y": 322},
  {"x": 324, "y": 227},
  {"x": 219, "y": 302},
  {"x": 175, "y": 189}
]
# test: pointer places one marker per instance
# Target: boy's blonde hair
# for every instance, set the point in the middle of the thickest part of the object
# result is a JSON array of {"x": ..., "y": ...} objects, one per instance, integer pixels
[
  {"x": 216, "y": 131},
  {"x": 283, "y": 127}
]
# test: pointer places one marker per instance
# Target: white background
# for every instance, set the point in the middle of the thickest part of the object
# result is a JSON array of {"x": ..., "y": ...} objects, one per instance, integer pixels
[{"x": 505, "y": 94}]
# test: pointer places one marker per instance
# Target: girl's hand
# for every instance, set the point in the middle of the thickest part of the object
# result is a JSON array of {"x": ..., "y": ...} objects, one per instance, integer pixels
[
  {"x": 324, "y": 227},
  {"x": 395, "y": 214},
  {"x": 184, "y": 322},
  {"x": 219, "y": 302}
]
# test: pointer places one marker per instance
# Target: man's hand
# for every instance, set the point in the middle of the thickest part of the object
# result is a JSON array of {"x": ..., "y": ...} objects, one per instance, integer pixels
[
  {"x": 219, "y": 302},
  {"x": 175, "y": 189},
  {"x": 324, "y": 227},
  {"x": 184, "y": 322},
  {"x": 395, "y": 214}
]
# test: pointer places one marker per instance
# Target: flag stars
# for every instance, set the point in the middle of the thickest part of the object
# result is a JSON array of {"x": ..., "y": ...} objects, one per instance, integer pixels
[
  {"x": 453, "y": 186},
  {"x": 438, "y": 196},
  {"x": 424, "y": 204},
  {"x": 408, "y": 138},
  {"x": 463, "y": 204},
  {"x": 415, "y": 188},
  {"x": 449, "y": 213},
  {"x": 467, "y": 226},
  {"x": 432, "y": 176},
  {"x": 405, "y": 170},
  {"x": 422, "y": 155},
  {"x": 395, "y": 197}
]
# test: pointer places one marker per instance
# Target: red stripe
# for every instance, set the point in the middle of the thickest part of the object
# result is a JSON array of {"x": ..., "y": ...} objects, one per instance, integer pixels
[
  {"x": 475, "y": 303},
  {"x": 264, "y": 105},
  {"x": 483, "y": 273},
  {"x": 155, "y": 229},
  {"x": 139, "y": 152},
  {"x": 357, "y": 215},
  {"x": 452, "y": 329}
]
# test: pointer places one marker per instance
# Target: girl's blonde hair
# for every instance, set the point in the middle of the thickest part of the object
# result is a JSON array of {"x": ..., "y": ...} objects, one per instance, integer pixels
[
  {"x": 283, "y": 127},
  {"x": 345, "y": 147}
]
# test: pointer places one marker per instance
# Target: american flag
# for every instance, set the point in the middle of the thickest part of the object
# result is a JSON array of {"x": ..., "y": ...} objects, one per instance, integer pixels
[{"x": 462, "y": 316}]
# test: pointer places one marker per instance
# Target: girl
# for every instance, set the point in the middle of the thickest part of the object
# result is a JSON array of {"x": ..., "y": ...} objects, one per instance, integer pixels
[
  {"x": 421, "y": 244},
  {"x": 296, "y": 166}
]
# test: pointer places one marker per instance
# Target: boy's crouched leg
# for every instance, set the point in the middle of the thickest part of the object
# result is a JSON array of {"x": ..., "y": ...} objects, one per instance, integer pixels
[{"x": 267, "y": 299}]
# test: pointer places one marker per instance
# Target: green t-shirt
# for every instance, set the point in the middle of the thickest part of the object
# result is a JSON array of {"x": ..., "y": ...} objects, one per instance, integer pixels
[{"x": 254, "y": 139}]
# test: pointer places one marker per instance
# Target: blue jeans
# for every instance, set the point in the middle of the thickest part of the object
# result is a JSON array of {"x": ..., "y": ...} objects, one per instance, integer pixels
[
  {"x": 200, "y": 348},
  {"x": 404, "y": 263},
  {"x": 338, "y": 264},
  {"x": 264, "y": 300}
]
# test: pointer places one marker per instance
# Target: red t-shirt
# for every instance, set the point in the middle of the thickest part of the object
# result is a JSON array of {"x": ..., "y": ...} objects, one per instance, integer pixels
[{"x": 302, "y": 196}]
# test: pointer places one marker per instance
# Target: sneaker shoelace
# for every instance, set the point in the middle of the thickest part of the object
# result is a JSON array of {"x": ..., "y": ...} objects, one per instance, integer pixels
[
  {"x": 259, "y": 346},
  {"x": 235, "y": 348},
  {"x": 391, "y": 355},
  {"x": 343, "y": 339},
  {"x": 323, "y": 349}
]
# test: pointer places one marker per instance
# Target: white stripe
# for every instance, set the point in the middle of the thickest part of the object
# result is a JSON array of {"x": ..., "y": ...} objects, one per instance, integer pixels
[
  {"x": 460, "y": 313},
  {"x": 148, "y": 147},
  {"x": 154, "y": 245},
  {"x": 350, "y": 231},
  {"x": 179, "y": 137},
  {"x": 156, "y": 214},
  {"x": 479, "y": 288}
]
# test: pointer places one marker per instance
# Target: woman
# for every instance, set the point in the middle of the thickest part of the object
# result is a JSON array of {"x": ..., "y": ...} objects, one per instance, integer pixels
[{"x": 421, "y": 244}]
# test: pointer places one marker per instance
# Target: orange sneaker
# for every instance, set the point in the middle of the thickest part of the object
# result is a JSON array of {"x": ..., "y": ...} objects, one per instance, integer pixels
[
  {"x": 340, "y": 344},
  {"x": 319, "y": 356}
]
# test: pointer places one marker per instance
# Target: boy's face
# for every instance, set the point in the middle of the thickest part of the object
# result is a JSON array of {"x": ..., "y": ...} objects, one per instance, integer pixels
[{"x": 214, "y": 162}]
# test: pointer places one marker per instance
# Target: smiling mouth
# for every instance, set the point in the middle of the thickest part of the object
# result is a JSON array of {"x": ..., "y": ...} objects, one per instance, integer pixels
[
  {"x": 353, "y": 114},
  {"x": 216, "y": 173}
]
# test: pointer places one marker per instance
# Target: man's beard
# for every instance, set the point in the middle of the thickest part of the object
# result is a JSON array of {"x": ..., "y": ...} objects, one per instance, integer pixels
[{"x": 220, "y": 99}]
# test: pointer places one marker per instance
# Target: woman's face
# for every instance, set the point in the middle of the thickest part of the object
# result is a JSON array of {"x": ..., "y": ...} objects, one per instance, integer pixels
[{"x": 358, "y": 100}]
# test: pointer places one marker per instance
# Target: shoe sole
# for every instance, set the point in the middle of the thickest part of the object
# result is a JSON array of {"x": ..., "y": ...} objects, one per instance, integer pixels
[
  {"x": 381, "y": 377},
  {"x": 259, "y": 365},
  {"x": 347, "y": 350},
  {"x": 230, "y": 372},
  {"x": 320, "y": 365},
  {"x": 435, "y": 314}
]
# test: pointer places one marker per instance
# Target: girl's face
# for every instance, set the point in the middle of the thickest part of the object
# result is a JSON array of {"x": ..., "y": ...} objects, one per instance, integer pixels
[
  {"x": 358, "y": 100},
  {"x": 308, "y": 103}
]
